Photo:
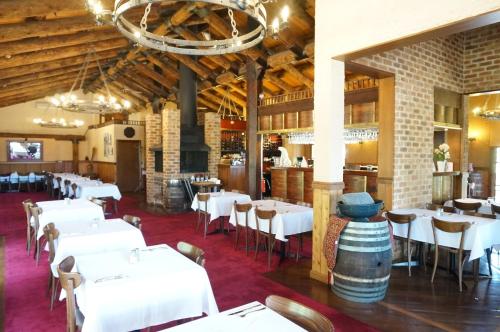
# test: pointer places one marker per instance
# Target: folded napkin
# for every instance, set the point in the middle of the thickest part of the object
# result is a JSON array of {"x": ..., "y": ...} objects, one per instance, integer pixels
[{"x": 357, "y": 198}]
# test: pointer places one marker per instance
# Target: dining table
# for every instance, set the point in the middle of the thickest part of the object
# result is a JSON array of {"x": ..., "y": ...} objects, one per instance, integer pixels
[
  {"x": 221, "y": 204},
  {"x": 95, "y": 236},
  {"x": 249, "y": 317},
  {"x": 67, "y": 211},
  {"x": 483, "y": 233},
  {"x": 290, "y": 218},
  {"x": 485, "y": 204},
  {"x": 128, "y": 290}
]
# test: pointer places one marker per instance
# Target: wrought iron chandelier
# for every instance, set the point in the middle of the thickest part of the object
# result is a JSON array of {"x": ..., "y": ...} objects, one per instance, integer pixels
[
  {"x": 100, "y": 105},
  {"x": 57, "y": 121},
  {"x": 139, "y": 34},
  {"x": 491, "y": 107},
  {"x": 227, "y": 108}
]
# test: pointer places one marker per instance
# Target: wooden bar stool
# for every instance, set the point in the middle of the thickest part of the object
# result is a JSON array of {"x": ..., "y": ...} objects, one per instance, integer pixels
[
  {"x": 404, "y": 219},
  {"x": 450, "y": 227},
  {"x": 241, "y": 208},
  {"x": 270, "y": 238}
]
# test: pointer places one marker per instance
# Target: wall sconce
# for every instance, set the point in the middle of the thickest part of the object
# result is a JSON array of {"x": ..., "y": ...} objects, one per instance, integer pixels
[{"x": 472, "y": 139}]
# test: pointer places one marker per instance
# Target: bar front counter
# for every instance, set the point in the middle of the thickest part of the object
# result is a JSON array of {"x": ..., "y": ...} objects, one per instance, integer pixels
[{"x": 295, "y": 183}]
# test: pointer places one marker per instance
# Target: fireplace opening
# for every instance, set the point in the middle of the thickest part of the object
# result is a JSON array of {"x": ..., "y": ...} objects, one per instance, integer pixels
[{"x": 194, "y": 161}]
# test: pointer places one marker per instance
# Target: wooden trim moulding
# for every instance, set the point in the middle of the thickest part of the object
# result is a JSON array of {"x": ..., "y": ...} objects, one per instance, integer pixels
[
  {"x": 290, "y": 107},
  {"x": 53, "y": 136},
  {"x": 361, "y": 96}
]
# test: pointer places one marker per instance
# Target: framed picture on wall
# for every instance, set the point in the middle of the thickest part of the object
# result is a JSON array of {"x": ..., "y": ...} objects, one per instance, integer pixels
[
  {"x": 24, "y": 151},
  {"x": 108, "y": 145}
]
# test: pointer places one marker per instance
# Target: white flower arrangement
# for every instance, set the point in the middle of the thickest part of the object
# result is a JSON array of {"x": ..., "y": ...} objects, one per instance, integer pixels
[{"x": 442, "y": 153}]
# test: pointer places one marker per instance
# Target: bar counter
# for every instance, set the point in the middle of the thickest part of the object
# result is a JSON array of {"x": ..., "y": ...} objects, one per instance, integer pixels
[{"x": 232, "y": 177}]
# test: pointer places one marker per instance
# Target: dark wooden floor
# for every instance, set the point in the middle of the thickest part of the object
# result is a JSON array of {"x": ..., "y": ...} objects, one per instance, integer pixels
[{"x": 412, "y": 303}]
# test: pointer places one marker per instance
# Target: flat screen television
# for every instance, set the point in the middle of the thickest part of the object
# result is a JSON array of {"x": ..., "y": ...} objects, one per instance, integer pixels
[{"x": 25, "y": 151}]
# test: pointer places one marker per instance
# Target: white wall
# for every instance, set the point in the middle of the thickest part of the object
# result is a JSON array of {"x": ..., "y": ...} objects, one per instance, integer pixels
[
  {"x": 19, "y": 119},
  {"x": 355, "y": 25}
]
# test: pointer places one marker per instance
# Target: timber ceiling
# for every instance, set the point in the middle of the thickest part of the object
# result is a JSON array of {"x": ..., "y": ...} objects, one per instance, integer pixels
[{"x": 43, "y": 44}]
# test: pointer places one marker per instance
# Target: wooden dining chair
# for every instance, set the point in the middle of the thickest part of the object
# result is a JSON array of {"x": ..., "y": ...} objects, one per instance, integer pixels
[
  {"x": 101, "y": 203},
  {"x": 50, "y": 184},
  {"x": 67, "y": 185},
  {"x": 241, "y": 208},
  {"x": 463, "y": 206},
  {"x": 307, "y": 318},
  {"x": 203, "y": 213},
  {"x": 488, "y": 250},
  {"x": 60, "y": 187},
  {"x": 192, "y": 252},
  {"x": 450, "y": 227},
  {"x": 27, "y": 204},
  {"x": 35, "y": 213},
  {"x": 435, "y": 207},
  {"x": 69, "y": 281},
  {"x": 51, "y": 234},
  {"x": 270, "y": 238},
  {"x": 74, "y": 188},
  {"x": 403, "y": 219},
  {"x": 133, "y": 220}
]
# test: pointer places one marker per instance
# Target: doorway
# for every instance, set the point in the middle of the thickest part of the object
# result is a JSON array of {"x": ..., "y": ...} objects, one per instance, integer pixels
[{"x": 128, "y": 170}]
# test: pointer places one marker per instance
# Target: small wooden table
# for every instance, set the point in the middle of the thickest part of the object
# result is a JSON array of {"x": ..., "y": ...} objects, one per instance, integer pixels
[{"x": 204, "y": 186}]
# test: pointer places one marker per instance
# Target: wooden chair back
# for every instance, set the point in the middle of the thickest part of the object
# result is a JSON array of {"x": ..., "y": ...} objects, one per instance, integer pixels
[
  {"x": 265, "y": 215},
  {"x": 192, "y": 252},
  {"x": 51, "y": 234},
  {"x": 434, "y": 207},
  {"x": 495, "y": 209},
  {"x": 466, "y": 206},
  {"x": 133, "y": 220},
  {"x": 242, "y": 208},
  {"x": 203, "y": 202},
  {"x": 27, "y": 204},
  {"x": 400, "y": 218},
  {"x": 305, "y": 317},
  {"x": 69, "y": 281},
  {"x": 100, "y": 202},
  {"x": 450, "y": 227},
  {"x": 36, "y": 212},
  {"x": 74, "y": 187}
]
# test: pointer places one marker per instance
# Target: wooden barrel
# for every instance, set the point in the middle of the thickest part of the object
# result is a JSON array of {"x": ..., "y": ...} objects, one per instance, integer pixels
[
  {"x": 175, "y": 198},
  {"x": 477, "y": 179},
  {"x": 364, "y": 259}
]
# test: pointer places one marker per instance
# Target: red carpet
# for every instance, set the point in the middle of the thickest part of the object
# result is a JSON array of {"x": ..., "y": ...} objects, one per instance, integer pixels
[{"x": 236, "y": 279}]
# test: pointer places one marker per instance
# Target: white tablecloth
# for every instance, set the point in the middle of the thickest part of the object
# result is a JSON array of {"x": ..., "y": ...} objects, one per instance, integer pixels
[
  {"x": 66, "y": 211},
  {"x": 67, "y": 176},
  {"x": 290, "y": 218},
  {"x": 163, "y": 286},
  {"x": 99, "y": 190},
  {"x": 221, "y": 204},
  {"x": 265, "y": 320},
  {"x": 485, "y": 206},
  {"x": 90, "y": 237},
  {"x": 482, "y": 234}
]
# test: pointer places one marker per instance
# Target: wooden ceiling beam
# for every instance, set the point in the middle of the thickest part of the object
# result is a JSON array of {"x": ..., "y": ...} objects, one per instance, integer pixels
[
  {"x": 309, "y": 50},
  {"x": 145, "y": 70},
  {"x": 297, "y": 74},
  {"x": 281, "y": 58},
  {"x": 236, "y": 88},
  {"x": 167, "y": 68},
  {"x": 32, "y": 95},
  {"x": 44, "y": 29},
  {"x": 13, "y": 92},
  {"x": 4, "y": 83},
  {"x": 278, "y": 82},
  {"x": 147, "y": 83},
  {"x": 124, "y": 81},
  {"x": 208, "y": 104},
  {"x": 54, "y": 65},
  {"x": 61, "y": 53},
  {"x": 200, "y": 70},
  {"x": 231, "y": 96},
  {"x": 124, "y": 96},
  {"x": 40, "y": 44},
  {"x": 129, "y": 91},
  {"x": 213, "y": 98}
]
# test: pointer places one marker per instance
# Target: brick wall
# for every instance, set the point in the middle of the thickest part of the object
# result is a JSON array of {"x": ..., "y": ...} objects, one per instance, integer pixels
[
  {"x": 153, "y": 138},
  {"x": 171, "y": 141},
  {"x": 212, "y": 139},
  {"x": 482, "y": 59},
  {"x": 418, "y": 69}
]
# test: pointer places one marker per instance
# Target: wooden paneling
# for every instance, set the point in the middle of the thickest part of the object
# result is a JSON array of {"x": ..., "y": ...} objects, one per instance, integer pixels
[
  {"x": 305, "y": 119},
  {"x": 51, "y": 166},
  {"x": 361, "y": 96},
  {"x": 278, "y": 121},
  {"x": 442, "y": 187},
  {"x": 295, "y": 184},
  {"x": 265, "y": 122},
  {"x": 278, "y": 182},
  {"x": 291, "y": 120},
  {"x": 106, "y": 171},
  {"x": 292, "y": 106},
  {"x": 232, "y": 177},
  {"x": 356, "y": 181},
  {"x": 308, "y": 187}
]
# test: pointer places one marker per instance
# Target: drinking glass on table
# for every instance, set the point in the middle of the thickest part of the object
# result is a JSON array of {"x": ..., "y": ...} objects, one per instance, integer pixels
[
  {"x": 439, "y": 212},
  {"x": 491, "y": 200},
  {"x": 222, "y": 191}
]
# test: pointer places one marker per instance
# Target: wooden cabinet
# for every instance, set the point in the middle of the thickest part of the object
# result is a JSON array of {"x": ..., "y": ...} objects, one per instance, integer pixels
[
  {"x": 359, "y": 181},
  {"x": 293, "y": 183},
  {"x": 232, "y": 177},
  {"x": 443, "y": 186},
  {"x": 278, "y": 182}
]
